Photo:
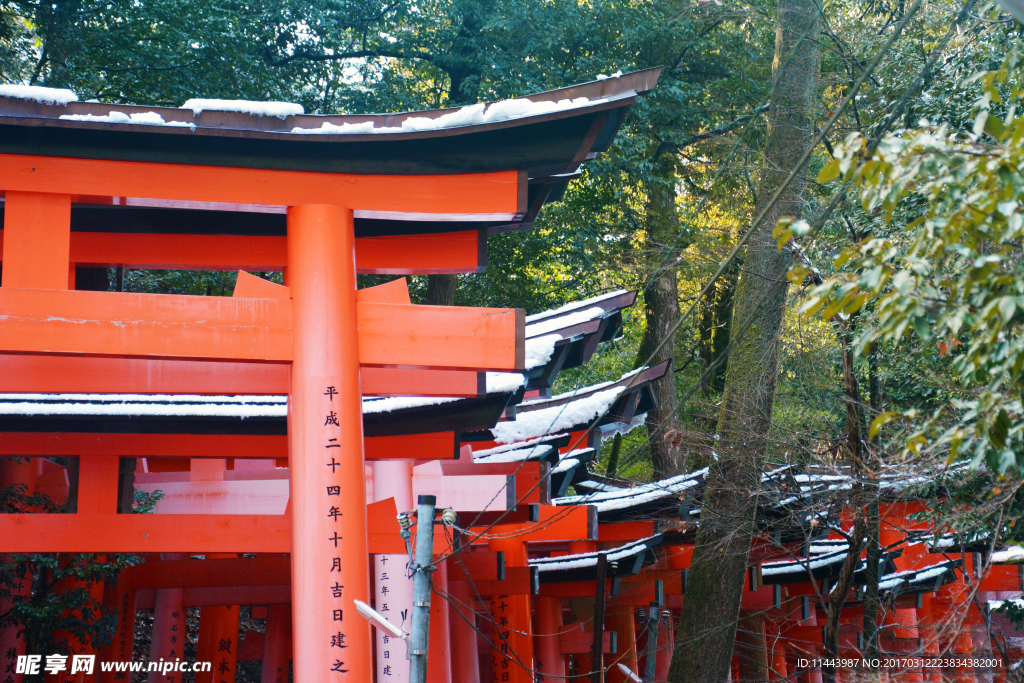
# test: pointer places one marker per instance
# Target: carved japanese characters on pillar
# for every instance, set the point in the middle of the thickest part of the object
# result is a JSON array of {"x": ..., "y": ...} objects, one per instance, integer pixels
[
  {"x": 500, "y": 613},
  {"x": 335, "y": 589},
  {"x": 390, "y": 571}
]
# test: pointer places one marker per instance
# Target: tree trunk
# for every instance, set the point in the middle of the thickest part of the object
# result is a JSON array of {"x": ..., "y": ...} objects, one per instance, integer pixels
[
  {"x": 752, "y": 648},
  {"x": 715, "y": 583},
  {"x": 716, "y": 321},
  {"x": 661, "y": 313},
  {"x": 874, "y": 522},
  {"x": 854, "y": 444},
  {"x": 441, "y": 289}
]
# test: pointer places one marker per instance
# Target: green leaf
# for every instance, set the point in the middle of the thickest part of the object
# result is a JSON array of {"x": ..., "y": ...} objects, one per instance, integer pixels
[
  {"x": 1000, "y": 429},
  {"x": 829, "y": 171},
  {"x": 880, "y": 421}
]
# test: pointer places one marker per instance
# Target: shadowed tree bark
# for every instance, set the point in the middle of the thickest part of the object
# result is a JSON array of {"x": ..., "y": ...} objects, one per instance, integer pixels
[
  {"x": 441, "y": 289},
  {"x": 710, "y": 613},
  {"x": 661, "y": 313}
]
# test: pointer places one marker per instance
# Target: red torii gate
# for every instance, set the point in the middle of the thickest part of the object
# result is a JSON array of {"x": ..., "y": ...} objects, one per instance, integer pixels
[{"x": 319, "y": 329}]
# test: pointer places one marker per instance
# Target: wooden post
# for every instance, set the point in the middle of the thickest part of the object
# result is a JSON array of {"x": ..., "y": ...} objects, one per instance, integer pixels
[
  {"x": 512, "y": 627},
  {"x": 597, "y": 652},
  {"x": 666, "y": 641},
  {"x": 465, "y": 653},
  {"x": 26, "y": 473},
  {"x": 330, "y": 565},
  {"x": 624, "y": 624},
  {"x": 218, "y": 643},
  {"x": 550, "y": 662},
  {"x": 276, "y": 645},
  {"x": 392, "y": 585},
  {"x": 168, "y": 640},
  {"x": 439, "y": 659},
  {"x": 37, "y": 240},
  {"x": 120, "y": 598}
]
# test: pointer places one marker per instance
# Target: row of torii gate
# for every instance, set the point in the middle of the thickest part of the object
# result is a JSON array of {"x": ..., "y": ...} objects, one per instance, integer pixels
[{"x": 287, "y": 425}]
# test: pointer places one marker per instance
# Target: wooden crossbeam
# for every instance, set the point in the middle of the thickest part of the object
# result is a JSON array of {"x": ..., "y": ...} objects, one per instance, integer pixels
[
  {"x": 155, "y": 533},
  {"x": 263, "y": 570},
  {"x": 53, "y": 374},
  {"x": 517, "y": 581},
  {"x": 225, "y": 596},
  {"x": 434, "y": 446},
  {"x": 448, "y": 252},
  {"x": 471, "y": 193},
  {"x": 85, "y": 533},
  {"x": 567, "y": 523},
  {"x": 173, "y": 326},
  {"x": 128, "y": 533}
]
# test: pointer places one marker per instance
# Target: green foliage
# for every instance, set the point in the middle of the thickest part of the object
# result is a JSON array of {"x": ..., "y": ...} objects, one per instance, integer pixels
[
  {"x": 56, "y": 599},
  {"x": 952, "y": 276}
]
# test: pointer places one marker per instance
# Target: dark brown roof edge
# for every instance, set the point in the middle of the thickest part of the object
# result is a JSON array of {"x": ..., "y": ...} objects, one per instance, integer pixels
[{"x": 620, "y": 88}]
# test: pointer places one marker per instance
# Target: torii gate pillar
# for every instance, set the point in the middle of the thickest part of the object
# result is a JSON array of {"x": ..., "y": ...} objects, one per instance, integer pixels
[{"x": 325, "y": 438}]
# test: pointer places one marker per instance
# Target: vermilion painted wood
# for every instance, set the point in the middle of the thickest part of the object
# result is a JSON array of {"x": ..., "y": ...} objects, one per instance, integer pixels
[
  {"x": 36, "y": 240},
  {"x": 165, "y": 325},
  {"x": 449, "y": 252},
  {"x": 394, "y": 292},
  {"x": 436, "y": 446},
  {"x": 325, "y": 447},
  {"x": 251, "y": 287},
  {"x": 223, "y": 596},
  {"x": 625, "y": 531},
  {"x": 38, "y": 533},
  {"x": 580, "y": 642},
  {"x": 51, "y": 373},
  {"x": 110, "y": 323},
  {"x": 510, "y": 614},
  {"x": 97, "y": 485},
  {"x": 516, "y": 582},
  {"x": 465, "y": 193},
  {"x": 493, "y": 333},
  {"x": 262, "y": 570},
  {"x": 568, "y": 523},
  {"x": 418, "y": 382}
]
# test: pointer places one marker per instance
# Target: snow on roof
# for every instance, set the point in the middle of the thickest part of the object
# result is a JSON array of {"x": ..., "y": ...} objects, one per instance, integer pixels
[
  {"x": 539, "y": 328},
  {"x": 181, "y": 405},
  {"x": 606, "y": 501},
  {"x": 598, "y": 486},
  {"x": 146, "y": 118},
  {"x": 143, "y": 405},
  {"x": 1012, "y": 555},
  {"x": 516, "y": 455},
  {"x": 504, "y": 382},
  {"x": 564, "y": 465},
  {"x": 581, "y": 390},
  {"x": 582, "y": 560},
  {"x": 529, "y": 425},
  {"x": 993, "y": 605},
  {"x": 37, "y": 93},
  {"x": 805, "y": 564},
  {"x": 389, "y": 404},
  {"x": 471, "y": 115},
  {"x": 279, "y": 110},
  {"x": 539, "y": 350},
  {"x": 585, "y": 303},
  {"x": 483, "y": 453},
  {"x": 898, "y": 579}
]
